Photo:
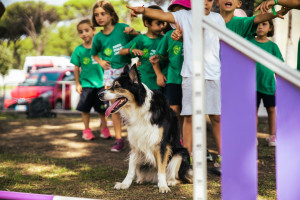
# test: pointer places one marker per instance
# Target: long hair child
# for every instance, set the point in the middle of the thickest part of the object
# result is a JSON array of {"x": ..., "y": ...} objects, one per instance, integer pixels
[
  {"x": 105, "y": 51},
  {"x": 265, "y": 78}
]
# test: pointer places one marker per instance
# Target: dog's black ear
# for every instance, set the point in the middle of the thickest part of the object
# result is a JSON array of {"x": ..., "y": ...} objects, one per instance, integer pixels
[
  {"x": 126, "y": 68},
  {"x": 134, "y": 74}
]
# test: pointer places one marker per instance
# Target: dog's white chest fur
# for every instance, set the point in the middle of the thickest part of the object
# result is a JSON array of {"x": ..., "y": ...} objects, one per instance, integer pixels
[{"x": 142, "y": 135}]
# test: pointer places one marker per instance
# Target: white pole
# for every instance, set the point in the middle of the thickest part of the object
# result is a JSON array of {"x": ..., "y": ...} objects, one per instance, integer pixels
[{"x": 199, "y": 120}]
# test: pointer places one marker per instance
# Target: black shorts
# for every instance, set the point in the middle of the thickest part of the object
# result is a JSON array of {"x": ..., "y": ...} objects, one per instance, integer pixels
[
  {"x": 89, "y": 98},
  {"x": 173, "y": 93},
  {"x": 269, "y": 100}
]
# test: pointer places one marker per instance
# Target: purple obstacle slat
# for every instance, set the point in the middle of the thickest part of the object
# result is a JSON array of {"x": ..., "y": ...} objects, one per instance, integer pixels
[
  {"x": 287, "y": 140},
  {"x": 238, "y": 125},
  {"x": 24, "y": 196}
]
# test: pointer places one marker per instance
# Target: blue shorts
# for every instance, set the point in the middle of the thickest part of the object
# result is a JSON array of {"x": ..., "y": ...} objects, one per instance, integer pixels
[{"x": 89, "y": 98}]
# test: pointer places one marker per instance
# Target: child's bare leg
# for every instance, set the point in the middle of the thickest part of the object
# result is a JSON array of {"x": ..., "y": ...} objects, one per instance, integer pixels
[
  {"x": 86, "y": 119},
  {"x": 117, "y": 125},
  {"x": 103, "y": 121},
  {"x": 188, "y": 132},
  {"x": 272, "y": 120},
  {"x": 216, "y": 129},
  {"x": 180, "y": 118}
]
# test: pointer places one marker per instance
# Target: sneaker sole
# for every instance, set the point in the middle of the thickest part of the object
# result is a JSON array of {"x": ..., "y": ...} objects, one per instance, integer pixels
[
  {"x": 106, "y": 138},
  {"x": 115, "y": 150},
  {"x": 87, "y": 138}
]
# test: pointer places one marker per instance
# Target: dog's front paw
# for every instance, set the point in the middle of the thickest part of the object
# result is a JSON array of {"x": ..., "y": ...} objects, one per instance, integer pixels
[
  {"x": 172, "y": 182},
  {"x": 164, "y": 189},
  {"x": 139, "y": 181},
  {"x": 121, "y": 186}
]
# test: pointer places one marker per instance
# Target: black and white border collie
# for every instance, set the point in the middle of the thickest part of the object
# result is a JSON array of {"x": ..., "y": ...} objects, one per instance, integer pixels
[{"x": 156, "y": 154}]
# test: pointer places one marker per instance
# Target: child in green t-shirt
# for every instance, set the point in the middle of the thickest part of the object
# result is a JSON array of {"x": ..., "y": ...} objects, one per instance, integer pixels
[
  {"x": 145, "y": 46},
  {"x": 105, "y": 50},
  {"x": 265, "y": 78},
  {"x": 171, "y": 80},
  {"x": 89, "y": 81},
  {"x": 244, "y": 26}
]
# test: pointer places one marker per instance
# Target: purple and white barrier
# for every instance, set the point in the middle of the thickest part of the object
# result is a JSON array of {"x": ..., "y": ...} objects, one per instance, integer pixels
[{"x": 29, "y": 196}]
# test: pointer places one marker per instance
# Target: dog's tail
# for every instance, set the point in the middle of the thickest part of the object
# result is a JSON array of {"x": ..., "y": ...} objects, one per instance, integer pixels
[{"x": 185, "y": 172}]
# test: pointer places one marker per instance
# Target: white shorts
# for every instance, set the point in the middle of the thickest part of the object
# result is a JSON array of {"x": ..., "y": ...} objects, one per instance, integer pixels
[
  {"x": 110, "y": 75},
  {"x": 213, "y": 97}
]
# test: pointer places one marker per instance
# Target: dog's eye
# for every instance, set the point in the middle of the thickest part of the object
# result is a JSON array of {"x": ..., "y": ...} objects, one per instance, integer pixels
[{"x": 116, "y": 86}]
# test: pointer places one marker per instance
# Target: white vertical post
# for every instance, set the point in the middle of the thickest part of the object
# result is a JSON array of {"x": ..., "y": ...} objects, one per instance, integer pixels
[{"x": 199, "y": 120}]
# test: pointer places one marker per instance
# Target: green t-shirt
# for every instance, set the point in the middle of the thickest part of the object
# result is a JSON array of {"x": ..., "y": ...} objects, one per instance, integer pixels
[
  {"x": 243, "y": 26},
  {"x": 174, "y": 50},
  {"x": 91, "y": 74},
  {"x": 265, "y": 78},
  {"x": 298, "y": 64},
  {"x": 148, "y": 46},
  {"x": 108, "y": 46}
]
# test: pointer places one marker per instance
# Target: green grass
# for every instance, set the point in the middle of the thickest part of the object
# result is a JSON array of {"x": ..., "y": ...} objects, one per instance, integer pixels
[{"x": 38, "y": 174}]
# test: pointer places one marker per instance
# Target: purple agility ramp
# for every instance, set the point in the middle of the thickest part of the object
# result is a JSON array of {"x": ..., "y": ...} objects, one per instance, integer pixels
[{"x": 238, "y": 125}]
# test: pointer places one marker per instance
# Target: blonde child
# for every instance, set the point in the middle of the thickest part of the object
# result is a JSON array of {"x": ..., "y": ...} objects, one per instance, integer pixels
[
  {"x": 89, "y": 81},
  {"x": 105, "y": 50},
  {"x": 145, "y": 46},
  {"x": 265, "y": 78}
]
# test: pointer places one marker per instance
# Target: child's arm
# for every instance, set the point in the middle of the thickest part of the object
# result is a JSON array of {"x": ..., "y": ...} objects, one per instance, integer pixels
[
  {"x": 152, "y": 13},
  {"x": 78, "y": 85},
  {"x": 103, "y": 63},
  {"x": 135, "y": 52},
  {"x": 129, "y": 30},
  {"x": 269, "y": 16},
  {"x": 177, "y": 33},
  {"x": 160, "y": 78},
  {"x": 266, "y": 5}
]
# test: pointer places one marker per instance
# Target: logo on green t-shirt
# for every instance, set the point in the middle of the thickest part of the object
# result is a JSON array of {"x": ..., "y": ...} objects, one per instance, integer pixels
[
  {"x": 108, "y": 52},
  {"x": 146, "y": 53},
  {"x": 176, "y": 49},
  {"x": 86, "y": 60}
]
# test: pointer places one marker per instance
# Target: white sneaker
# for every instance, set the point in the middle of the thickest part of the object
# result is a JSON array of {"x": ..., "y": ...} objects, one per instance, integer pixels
[{"x": 271, "y": 140}]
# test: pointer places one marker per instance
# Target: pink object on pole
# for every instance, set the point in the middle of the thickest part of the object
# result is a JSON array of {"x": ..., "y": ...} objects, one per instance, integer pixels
[{"x": 184, "y": 3}]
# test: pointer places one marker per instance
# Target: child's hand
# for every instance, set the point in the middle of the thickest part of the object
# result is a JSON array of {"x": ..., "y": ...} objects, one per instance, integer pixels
[
  {"x": 177, "y": 33},
  {"x": 105, "y": 64},
  {"x": 137, "y": 52},
  {"x": 136, "y": 10},
  {"x": 154, "y": 59},
  {"x": 283, "y": 11},
  {"x": 265, "y": 6},
  {"x": 78, "y": 88},
  {"x": 128, "y": 30},
  {"x": 138, "y": 64},
  {"x": 161, "y": 80}
]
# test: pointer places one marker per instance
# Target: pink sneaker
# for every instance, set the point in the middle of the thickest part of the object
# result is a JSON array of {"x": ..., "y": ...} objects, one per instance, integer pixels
[
  {"x": 87, "y": 134},
  {"x": 119, "y": 144},
  {"x": 105, "y": 133}
]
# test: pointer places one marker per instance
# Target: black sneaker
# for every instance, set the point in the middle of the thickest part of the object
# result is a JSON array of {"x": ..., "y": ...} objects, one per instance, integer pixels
[{"x": 209, "y": 156}]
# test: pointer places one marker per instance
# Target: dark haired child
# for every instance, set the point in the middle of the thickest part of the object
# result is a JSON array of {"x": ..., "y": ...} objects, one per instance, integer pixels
[
  {"x": 265, "y": 78},
  {"x": 145, "y": 46},
  {"x": 89, "y": 81},
  {"x": 105, "y": 50}
]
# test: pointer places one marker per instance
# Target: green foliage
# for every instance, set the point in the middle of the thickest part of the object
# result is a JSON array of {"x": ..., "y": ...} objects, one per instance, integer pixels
[
  {"x": 62, "y": 41},
  {"x": 6, "y": 59}
]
